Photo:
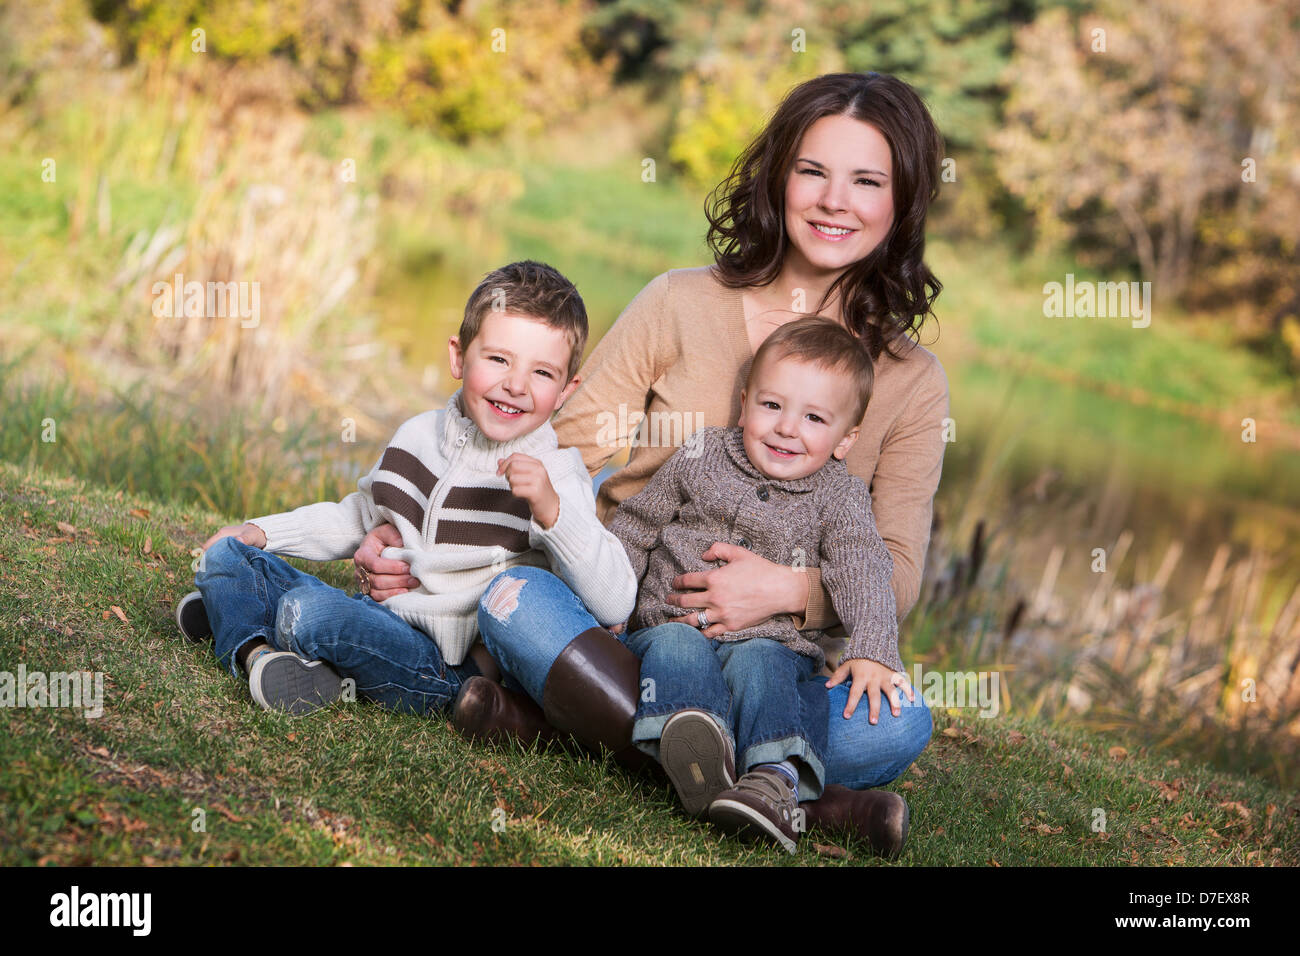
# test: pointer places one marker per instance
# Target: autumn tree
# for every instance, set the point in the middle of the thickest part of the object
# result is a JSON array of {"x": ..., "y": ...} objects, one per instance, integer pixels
[{"x": 1165, "y": 133}]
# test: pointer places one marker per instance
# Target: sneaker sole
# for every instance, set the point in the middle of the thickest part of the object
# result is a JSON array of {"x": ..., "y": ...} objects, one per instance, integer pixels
[
  {"x": 697, "y": 759},
  {"x": 734, "y": 817},
  {"x": 192, "y": 618},
  {"x": 293, "y": 685}
]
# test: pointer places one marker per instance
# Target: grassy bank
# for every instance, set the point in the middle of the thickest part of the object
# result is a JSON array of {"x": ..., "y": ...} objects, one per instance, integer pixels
[{"x": 358, "y": 785}]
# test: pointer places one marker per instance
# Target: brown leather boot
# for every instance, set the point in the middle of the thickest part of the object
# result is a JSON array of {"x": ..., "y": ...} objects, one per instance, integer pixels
[
  {"x": 878, "y": 816},
  {"x": 591, "y": 692},
  {"x": 485, "y": 711}
]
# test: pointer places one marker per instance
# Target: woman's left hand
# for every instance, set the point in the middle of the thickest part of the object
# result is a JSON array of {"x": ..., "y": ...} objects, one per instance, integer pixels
[{"x": 746, "y": 590}]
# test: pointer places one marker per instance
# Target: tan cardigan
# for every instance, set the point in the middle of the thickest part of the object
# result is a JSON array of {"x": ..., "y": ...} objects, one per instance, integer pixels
[{"x": 680, "y": 353}]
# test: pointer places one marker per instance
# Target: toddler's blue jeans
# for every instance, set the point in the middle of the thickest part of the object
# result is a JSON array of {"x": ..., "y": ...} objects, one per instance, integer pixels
[{"x": 767, "y": 698}]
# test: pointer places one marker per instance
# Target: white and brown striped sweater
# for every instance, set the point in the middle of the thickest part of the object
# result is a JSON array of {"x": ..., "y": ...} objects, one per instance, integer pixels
[{"x": 437, "y": 483}]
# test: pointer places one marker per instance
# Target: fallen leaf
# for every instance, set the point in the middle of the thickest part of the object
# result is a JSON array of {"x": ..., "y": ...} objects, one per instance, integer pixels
[
  {"x": 148, "y": 545},
  {"x": 1236, "y": 805},
  {"x": 1016, "y": 737},
  {"x": 830, "y": 850},
  {"x": 1118, "y": 753},
  {"x": 65, "y": 527},
  {"x": 1168, "y": 791},
  {"x": 121, "y": 615},
  {"x": 1066, "y": 771},
  {"x": 951, "y": 732},
  {"x": 139, "y": 512}
]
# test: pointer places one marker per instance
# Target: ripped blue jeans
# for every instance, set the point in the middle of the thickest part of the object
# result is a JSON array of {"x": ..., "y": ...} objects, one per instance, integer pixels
[{"x": 250, "y": 594}]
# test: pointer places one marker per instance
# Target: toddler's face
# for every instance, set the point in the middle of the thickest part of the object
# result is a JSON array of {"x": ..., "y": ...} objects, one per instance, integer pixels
[
  {"x": 514, "y": 373},
  {"x": 796, "y": 417}
]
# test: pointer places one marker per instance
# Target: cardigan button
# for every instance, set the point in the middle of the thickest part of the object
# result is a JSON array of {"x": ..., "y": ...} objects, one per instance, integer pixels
[
  {"x": 743, "y": 542},
  {"x": 460, "y": 442},
  {"x": 763, "y": 493}
]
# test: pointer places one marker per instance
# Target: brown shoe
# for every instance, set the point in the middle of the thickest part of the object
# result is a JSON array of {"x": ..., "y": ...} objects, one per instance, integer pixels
[
  {"x": 761, "y": 804},
  {"x": 698, "y": 758},
  {"x": 486, "y": 712},
  {"x": 880, "y": 817}
]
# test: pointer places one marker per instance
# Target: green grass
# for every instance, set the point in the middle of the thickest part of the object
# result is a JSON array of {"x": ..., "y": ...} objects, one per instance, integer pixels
[
  {"x": 355, "y": 784},
  {"x": 137, "y": 441}
]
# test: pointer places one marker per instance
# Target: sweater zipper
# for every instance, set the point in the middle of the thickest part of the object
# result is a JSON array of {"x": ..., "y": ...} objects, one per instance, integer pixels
[{"x": 435, "y": 503}]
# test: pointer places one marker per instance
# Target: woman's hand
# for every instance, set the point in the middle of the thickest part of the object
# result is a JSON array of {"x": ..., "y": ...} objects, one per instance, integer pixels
[
  {"x": 388, "y": 577},
  {"x": 746, "y": 590},
  {"x": 249, "y": 533},
  {"x": 872, "y": 677}
]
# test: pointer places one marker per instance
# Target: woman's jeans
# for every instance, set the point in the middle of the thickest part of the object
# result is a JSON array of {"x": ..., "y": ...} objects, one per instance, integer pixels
[
  {"x": 252, "y": 595},
  {"x": 526, "y": 641}
]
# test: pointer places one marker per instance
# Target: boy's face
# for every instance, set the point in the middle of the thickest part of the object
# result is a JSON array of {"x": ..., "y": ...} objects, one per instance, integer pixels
[
  {"x": 795, "y": 417},
  {"x": 513, "y": 374}
]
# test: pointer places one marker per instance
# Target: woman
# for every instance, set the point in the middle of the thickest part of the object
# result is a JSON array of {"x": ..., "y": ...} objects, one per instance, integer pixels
[{"x": 823, "y": 213}]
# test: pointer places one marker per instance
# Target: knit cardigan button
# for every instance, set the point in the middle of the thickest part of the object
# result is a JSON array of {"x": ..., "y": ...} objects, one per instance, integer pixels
[
  {"x": 763, "y": 493},
  {"x": 743, "y": 542}
]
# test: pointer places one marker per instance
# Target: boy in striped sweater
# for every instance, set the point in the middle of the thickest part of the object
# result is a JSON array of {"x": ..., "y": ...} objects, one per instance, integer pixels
[{"x": 475, "y": 487}]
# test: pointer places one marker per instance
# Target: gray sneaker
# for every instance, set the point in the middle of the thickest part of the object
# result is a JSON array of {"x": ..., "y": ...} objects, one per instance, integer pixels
[
  {"x": 698, "y": 757},
  {"x": 192, "y": 618},
  {"x": 280, "y": 680},
  {"x": 762, "y": 804}
]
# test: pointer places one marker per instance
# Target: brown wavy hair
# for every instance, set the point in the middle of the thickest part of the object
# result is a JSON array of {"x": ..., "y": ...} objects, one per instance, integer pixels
[{"x": 886, "y": 295}]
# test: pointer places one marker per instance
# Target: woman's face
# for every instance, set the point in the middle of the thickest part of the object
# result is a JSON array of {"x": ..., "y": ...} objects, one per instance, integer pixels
[{"x": 840, "y": 181}]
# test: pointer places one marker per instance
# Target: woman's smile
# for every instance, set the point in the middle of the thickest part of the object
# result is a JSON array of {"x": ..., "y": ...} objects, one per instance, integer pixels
[{"x": 830, "y": 232}]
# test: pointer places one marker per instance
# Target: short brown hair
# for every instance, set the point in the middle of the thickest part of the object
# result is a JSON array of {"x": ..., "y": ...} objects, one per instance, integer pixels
[
  {"x": 533, "y": 289},
  {"x": 824, "y": 343}
]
